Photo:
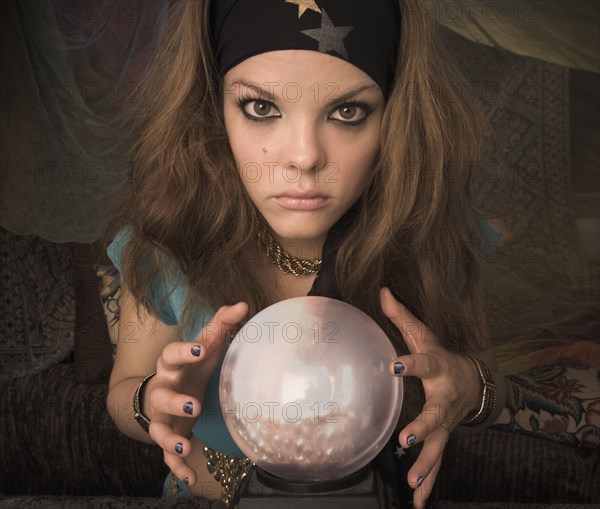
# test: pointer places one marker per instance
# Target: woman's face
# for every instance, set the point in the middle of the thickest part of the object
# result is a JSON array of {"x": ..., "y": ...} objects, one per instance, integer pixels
[{"x": 303, "y": 141}]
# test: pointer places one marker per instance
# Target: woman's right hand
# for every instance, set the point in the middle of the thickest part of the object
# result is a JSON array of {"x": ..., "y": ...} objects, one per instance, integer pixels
[{"x": 173, "y": 397}]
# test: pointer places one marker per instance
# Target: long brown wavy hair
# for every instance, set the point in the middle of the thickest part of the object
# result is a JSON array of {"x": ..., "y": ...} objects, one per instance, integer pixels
[{"x": 417, "y": 231}]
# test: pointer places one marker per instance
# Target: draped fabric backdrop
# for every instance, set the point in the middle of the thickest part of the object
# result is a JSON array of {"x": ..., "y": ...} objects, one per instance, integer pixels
[{"x": 66, "y": 65}]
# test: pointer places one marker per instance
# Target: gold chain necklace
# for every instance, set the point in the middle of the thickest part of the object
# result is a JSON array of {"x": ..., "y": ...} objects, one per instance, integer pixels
[{"x": 281, "y": 258}]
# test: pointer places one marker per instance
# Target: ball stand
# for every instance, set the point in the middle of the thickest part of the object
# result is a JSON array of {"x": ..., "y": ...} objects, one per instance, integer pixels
[{"x": 365, "y": 489}]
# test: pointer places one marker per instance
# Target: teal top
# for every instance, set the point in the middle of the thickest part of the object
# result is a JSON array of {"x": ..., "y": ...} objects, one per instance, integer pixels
[{"x": 210, "y": 427}]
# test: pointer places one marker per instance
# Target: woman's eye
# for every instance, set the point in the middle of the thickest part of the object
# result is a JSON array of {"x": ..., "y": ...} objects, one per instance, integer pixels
[
  {"x": 351, "y": 113},
  {"x": 257, "y": 109}
]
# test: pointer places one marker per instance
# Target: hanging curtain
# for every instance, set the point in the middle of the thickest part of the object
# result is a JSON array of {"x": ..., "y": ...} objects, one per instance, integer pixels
[
  {"x": 66, "y": 65},
  {"x": 564, "y": 32}
]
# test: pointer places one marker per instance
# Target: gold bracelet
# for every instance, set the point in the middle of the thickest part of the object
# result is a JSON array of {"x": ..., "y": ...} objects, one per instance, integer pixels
[
  {"x": 143, "y": 421},
  {"x": 227, "y": 470},
  {"x": 488, "y": 401}
]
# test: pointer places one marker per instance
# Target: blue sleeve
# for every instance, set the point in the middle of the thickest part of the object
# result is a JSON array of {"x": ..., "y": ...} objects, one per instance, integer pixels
[
  {"x": 491, "y": 238},
  {"x": 159, "y": 294}
]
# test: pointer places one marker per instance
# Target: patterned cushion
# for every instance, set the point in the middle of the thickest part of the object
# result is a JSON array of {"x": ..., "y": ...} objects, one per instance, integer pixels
[{"x": 37, "y": 304}]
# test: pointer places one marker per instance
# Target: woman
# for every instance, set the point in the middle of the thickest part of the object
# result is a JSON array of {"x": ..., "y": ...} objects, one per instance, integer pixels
[{"x": 288, "y": 148}]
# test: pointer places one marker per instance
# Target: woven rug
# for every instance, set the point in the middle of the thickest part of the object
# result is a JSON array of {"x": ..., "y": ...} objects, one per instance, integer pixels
[
  {"x": 58, "y": 502},
  {"x": 49, "y": 502}
]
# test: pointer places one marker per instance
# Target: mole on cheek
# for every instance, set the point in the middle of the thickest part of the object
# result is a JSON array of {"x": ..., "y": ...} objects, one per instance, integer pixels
[{"x": 265, "y": 150}]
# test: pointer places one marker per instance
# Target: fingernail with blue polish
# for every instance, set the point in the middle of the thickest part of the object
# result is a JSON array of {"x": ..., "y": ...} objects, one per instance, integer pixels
[
  {"x": 186, "y": 480},
  {"x": 196, "y": 350},
  {"x": 179, "y": 448},
  {"x": 188, "y": 408},
  {"x": 420, "y": 481},
  {"x": 411, "y": 439},
  {"x": 398, "y": 368}
]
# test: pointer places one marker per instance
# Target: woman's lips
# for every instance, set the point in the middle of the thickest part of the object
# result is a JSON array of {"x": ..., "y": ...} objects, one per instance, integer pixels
[{"x": 290, "y": 202}]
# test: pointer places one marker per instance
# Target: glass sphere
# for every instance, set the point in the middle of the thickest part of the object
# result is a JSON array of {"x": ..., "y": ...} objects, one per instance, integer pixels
[{"x": 306, "y": 391}]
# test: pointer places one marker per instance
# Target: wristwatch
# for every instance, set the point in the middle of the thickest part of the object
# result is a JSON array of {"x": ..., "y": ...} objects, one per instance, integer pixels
[
  {"x": 488, "y": 402},
  {"x": 143, "y": 421}
]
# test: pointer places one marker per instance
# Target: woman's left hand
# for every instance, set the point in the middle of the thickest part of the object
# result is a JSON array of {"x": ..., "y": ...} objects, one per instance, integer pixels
[{"x": 452, "y": 390}]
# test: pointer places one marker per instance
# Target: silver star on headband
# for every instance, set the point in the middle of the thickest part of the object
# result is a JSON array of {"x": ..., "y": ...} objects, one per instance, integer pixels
[{"x": 329, "y": 36}]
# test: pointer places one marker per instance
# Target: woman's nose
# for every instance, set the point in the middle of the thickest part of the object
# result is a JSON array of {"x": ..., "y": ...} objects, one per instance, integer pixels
[{"x": 305, "y": 150}]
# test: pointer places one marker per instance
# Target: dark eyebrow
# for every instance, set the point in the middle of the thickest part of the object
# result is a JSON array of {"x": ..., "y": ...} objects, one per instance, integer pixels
[
  {"x": 354, "y": 92},
  {"x": 265, "y": 94}
]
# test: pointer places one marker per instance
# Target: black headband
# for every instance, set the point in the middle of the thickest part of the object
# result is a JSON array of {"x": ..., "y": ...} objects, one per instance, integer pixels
[{"x": 365, "y": 33}]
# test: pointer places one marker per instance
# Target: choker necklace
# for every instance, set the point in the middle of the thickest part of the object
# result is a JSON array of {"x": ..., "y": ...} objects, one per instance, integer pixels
[{"x": 281, "y": 258}]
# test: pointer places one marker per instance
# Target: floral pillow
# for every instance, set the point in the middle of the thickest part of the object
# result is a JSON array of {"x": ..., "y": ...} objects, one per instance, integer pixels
[
  {"x": 554, "y": 389},
  {"x": 559, "y": 402}
]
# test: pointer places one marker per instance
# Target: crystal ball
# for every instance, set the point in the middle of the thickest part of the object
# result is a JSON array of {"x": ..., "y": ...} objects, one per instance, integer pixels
[{"x": 306, "y": 392}]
